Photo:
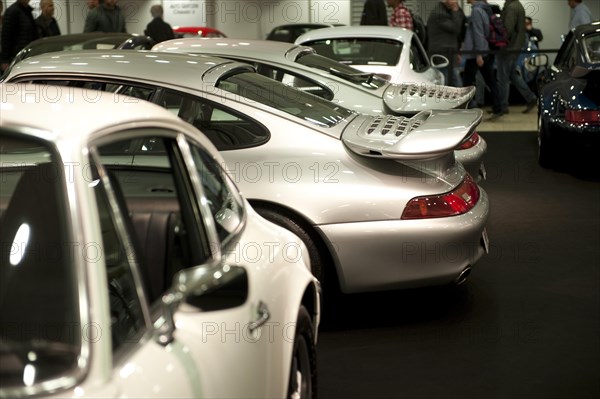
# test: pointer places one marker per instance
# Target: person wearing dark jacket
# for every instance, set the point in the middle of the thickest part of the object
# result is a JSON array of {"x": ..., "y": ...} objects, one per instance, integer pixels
[
  {"x": 158, "y": 29},
  {"x": 513, "y": 16},
  {"x": 476, "y": 52},
  {"x": 106, "y": 17},
  {"x": 18, "y": 30},
  {"x": 374, "y": 13},
  {"x": 534, "y": 34},
  {"x": 46, "y": 23},
  {"x": 445, "y": 33}
]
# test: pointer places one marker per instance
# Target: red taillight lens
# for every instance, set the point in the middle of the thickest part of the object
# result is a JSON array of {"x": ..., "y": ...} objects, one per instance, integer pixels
[
  {"x": 582, "y": 116},
  {"x": 474, "y": 139},
  {"x": 459, "y": 201}
]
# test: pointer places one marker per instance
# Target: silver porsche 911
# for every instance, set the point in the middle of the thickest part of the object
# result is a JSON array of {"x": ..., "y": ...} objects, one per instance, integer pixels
[
  {"x": 380, "y": 201},
  {"x": 303, "y": 68}
]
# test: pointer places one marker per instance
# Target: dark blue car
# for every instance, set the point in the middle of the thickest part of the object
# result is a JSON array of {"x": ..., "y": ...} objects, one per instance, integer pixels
[{"x": 569, "y": 100}]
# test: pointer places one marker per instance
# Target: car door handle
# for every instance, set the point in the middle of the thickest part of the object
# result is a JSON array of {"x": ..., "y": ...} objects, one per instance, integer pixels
[{"x": 263, "y": 316}]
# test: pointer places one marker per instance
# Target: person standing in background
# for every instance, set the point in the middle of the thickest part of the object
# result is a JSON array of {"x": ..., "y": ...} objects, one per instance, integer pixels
[
  {"x": 445, "y": 33},
  {"x": 18, "y": 30},
  {"x": 46, "y": 23},
  {"x": 533, "y": 34},
  {"x": 91, "y": 4},
  {"x": 158, "y": 29},
  {"x": 580, "y": 14},
  {"x": 106, "y": 17},
  {"x": 400, "y": 17},
  {"x": 1, "y": 12},
  {"x": 477, "y": 54},
  {"x": 513, "y": 16},
  {"x": 374, "y": 13}
]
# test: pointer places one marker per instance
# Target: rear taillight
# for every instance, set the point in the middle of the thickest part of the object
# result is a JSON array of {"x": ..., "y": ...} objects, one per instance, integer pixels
[
  {"x": 582, "y": 116},
  {"x": 473, "y": 140},
  {"x": 460, "y": 200}
]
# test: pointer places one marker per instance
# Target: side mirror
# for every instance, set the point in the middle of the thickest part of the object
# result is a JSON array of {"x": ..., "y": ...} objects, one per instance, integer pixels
[
  {"x": 439, "y": 61},
  {"x": 207, "y": 287},
  {"x": 538, "y": 61}
]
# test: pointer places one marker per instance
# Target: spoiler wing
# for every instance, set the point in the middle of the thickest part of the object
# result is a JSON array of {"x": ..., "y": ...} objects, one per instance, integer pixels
[{"x": 429, "y": 134}]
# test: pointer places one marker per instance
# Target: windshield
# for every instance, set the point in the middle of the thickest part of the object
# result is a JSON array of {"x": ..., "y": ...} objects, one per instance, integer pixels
[
  {"x": 592, "y": 47},
  {"x": 40, "y": 329},
  {"x": 353, "y": 75},
  {"x": 272, "y": 93},
  {"x": 359, "y": 51}
]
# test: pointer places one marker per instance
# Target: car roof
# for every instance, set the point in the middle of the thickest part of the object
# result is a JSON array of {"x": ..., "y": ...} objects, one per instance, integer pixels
[
  {"x": 583, "y": 30},
  {"x": 169, "y": 68},
  {"x": 80, "y": 38},
  {"x": 259, "y": 49},
  {"x": 388, "y": 32},
  {"x": 59, "y": 113},
  {"x": 194, "y": 28}
]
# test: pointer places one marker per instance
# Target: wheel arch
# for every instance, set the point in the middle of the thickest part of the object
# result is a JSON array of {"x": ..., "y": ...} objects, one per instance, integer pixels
[{"x": 332, "y": 266}]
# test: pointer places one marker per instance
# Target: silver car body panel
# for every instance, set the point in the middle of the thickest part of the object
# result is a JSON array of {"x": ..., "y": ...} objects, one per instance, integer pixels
[{"x": 306, "y": 168}]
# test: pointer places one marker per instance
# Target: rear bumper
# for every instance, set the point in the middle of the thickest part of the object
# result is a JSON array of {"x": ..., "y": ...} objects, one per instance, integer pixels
[{"x": 396, "y": 254}]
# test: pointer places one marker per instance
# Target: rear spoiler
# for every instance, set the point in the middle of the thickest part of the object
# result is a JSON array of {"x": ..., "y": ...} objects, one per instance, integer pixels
[{"x": 428, "y": 134}]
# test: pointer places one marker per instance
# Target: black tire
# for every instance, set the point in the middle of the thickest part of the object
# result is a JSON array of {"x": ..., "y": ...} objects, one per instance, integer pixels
[
  {"x": 302, "y": 383},
  {"x": 546, "y": 148},
  {"x": 286, "y": 221}
]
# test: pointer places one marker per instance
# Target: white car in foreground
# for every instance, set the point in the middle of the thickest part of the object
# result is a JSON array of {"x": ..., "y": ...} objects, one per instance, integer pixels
[
  {"x": 395, "y": 54},
  {"x": 130, "y": 266}
]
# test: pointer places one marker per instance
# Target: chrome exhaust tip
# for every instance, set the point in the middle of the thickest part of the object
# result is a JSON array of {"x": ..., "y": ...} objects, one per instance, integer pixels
[{"x": 462, "y": 277}]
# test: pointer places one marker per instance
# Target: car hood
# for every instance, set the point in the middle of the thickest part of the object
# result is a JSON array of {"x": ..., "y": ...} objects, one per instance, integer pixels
[
  {"x": 410, "y": 98},
  {"x": 428, "y": 134}
]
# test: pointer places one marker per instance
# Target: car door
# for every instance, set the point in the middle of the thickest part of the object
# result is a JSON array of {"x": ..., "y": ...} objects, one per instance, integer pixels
[{"x": 177, "y": 197}]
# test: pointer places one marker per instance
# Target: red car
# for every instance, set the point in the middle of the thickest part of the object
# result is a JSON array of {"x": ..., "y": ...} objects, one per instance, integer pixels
[{"x": 193, "y": 31}]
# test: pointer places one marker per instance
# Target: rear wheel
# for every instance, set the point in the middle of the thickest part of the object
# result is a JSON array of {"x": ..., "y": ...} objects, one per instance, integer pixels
[
  {"x": 546, "y": 148},
  {"x": 303, "y": 371},
  {"x": 286, "y": 221}
]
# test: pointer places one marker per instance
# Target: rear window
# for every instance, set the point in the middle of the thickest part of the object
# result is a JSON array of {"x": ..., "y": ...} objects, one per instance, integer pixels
[
  {"x": 308, "y": 107},
  {"x": 592, "y": 48},
  {"x": 359, "y": 51}
]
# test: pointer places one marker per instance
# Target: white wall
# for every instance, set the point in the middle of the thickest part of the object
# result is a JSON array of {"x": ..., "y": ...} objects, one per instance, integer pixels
[{"x": 253, "y": 19}]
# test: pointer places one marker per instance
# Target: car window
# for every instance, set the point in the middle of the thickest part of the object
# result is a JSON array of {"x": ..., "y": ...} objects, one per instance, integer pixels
[
  {"x": 150, "y": 180},
  {"x": 294, "y": 80},
  {"x": 418, "y": 57},
  {"x": 353, "y": 75},
  {"x": 592, "y": 48},
  {"x": 226, "y": 128},
  {"x": 260, "y": 89},
  {"x": 359, "y": 51},
  {"x": 40, "y": 325},
  {"x": 223, "y": 198},
  {"x": 126, "y": 316}
]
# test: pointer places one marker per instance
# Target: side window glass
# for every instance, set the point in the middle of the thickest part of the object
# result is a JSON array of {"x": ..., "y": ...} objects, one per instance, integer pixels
[
  {"x": 163, "y": 217},
  {"x": 221, "y": 194},
  {"x": 126, "y": 316},
  {"x": 418, "y": 59},
  {"x": 226, "y": 128}
]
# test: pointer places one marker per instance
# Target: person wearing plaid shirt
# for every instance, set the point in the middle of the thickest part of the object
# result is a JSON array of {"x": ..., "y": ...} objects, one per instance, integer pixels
[{"x": 400, "y": 15}]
